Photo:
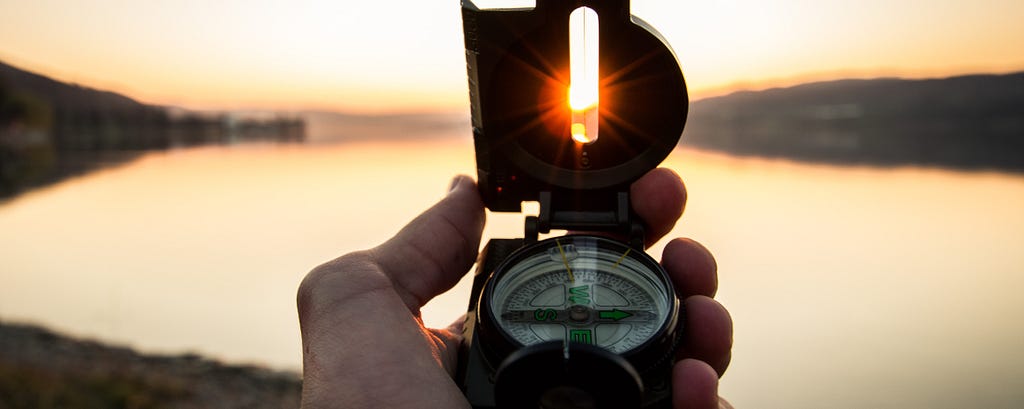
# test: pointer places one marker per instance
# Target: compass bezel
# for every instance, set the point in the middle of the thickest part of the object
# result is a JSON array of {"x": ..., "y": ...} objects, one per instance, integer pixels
[{"x": 498, "y": 343}]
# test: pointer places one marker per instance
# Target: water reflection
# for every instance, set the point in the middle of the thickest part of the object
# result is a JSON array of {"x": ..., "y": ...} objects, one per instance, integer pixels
[{"x": 854, "y": 286}]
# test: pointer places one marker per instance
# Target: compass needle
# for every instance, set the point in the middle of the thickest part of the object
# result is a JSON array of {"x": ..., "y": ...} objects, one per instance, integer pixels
[{"x": 619, "y": 261}]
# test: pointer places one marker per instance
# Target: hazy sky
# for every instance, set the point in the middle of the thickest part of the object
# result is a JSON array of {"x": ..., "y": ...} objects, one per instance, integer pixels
[{"x": 406, "y": 55}]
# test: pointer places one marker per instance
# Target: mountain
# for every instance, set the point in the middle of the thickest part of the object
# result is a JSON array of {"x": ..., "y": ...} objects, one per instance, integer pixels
[
  {"x": 50, "y": 130},
  {"x": 76, "y": 118},
  {"x": 67, "y": 96},
  {"x": 974, "y": 121},
  {"x": 970, "y": 122}
]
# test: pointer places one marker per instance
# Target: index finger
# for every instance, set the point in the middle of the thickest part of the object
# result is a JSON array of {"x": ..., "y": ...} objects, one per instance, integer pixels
[{"x": 659, "y": 198}]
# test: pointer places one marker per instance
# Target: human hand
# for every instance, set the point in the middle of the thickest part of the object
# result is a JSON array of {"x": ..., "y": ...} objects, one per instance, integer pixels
[{"x": 365, "y": 346}]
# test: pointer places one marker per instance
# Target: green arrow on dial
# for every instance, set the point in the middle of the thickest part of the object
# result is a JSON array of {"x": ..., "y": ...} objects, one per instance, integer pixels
[{"x": 615, "y": 314}]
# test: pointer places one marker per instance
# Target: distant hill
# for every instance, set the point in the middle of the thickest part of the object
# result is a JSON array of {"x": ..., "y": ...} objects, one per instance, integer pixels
[
  {"x": 82, "y": 118},
  {"x": 974, "y": 121},
  {"x": 62, "y": 95},
  {"x": 50, "y": 130}
]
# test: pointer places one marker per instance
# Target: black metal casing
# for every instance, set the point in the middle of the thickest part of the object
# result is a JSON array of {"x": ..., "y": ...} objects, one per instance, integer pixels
[{"x": 518, "y": 67}]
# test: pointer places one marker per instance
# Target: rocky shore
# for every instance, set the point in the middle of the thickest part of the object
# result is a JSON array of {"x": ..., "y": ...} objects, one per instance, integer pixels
[{"x": 41, "y": 369}]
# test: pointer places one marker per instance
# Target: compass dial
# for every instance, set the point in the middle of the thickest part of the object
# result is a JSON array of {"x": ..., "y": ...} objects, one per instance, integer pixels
[{"x": 583, "y": 289}]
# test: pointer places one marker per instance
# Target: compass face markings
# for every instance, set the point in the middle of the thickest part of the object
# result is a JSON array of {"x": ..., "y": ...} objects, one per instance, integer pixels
[
  {"x": 607, "y": 296},
  {"x": 551, "y": 297},
  {"x": 599, "y": 307}
]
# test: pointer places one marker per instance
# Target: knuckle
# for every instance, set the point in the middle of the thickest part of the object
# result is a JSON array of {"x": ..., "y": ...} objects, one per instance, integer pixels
[{"x": 336, "y": 279}]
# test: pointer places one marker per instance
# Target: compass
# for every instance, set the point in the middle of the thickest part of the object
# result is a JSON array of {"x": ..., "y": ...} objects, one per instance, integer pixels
[
  {"x": 572, "y": 101},
  {"x": 584, "y": 289},
  {"x": 580, "y": 291}
]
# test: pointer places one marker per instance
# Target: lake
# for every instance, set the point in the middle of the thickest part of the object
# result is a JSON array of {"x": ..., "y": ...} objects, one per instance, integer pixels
[{"x": 850, "y": 287}]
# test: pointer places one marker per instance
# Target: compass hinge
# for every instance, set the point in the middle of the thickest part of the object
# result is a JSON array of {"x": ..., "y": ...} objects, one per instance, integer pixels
[{"x": 582, "y": 215}]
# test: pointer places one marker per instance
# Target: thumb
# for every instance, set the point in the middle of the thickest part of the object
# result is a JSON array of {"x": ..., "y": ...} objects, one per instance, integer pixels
[{"x": 431, "y": 253}]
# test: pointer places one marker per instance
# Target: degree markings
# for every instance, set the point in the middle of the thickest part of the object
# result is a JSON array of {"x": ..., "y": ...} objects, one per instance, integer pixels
[{"x": 522, "y": 296}]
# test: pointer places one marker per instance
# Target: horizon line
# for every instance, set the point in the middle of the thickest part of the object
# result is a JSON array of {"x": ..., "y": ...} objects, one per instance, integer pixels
[{"x": 695, "y": 95}]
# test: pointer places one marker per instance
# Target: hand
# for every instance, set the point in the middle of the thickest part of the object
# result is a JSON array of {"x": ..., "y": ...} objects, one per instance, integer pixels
[{"x": 365, "y": 346}]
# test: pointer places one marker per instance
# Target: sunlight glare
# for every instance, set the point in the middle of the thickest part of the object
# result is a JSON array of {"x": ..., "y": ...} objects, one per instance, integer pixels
[{"x": 583, "y": 74}]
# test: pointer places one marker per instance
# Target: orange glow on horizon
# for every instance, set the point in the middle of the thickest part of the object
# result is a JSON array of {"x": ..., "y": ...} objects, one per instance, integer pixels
[{"x": 336, "y": 56}]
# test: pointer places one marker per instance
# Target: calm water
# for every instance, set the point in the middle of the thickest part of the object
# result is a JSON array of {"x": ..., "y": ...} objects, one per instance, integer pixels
[{"x": 850, "y": 287}]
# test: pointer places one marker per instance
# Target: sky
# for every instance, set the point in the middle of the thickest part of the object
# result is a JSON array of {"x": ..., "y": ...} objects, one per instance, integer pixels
[{"x": 407, "y": 55}]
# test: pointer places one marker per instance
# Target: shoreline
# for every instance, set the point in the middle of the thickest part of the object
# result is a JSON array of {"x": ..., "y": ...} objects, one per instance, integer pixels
[{"x": 41, "y": 368}]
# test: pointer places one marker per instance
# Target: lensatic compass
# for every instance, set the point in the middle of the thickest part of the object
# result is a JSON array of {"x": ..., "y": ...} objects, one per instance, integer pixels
[{"x": 572, "y": 101}]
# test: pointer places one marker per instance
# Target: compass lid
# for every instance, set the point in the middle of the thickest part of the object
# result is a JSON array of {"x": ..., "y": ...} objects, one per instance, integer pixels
[{"x": 518, "y": 61}]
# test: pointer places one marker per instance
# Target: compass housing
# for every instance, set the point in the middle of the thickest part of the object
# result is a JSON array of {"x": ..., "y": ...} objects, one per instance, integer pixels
[
  {"x": 518, "y": 63},
  {"x": 613, "y": 281}
]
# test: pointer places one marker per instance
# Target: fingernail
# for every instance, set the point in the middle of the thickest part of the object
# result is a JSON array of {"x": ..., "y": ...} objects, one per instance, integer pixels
[{"x": 454, "y": 184}]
